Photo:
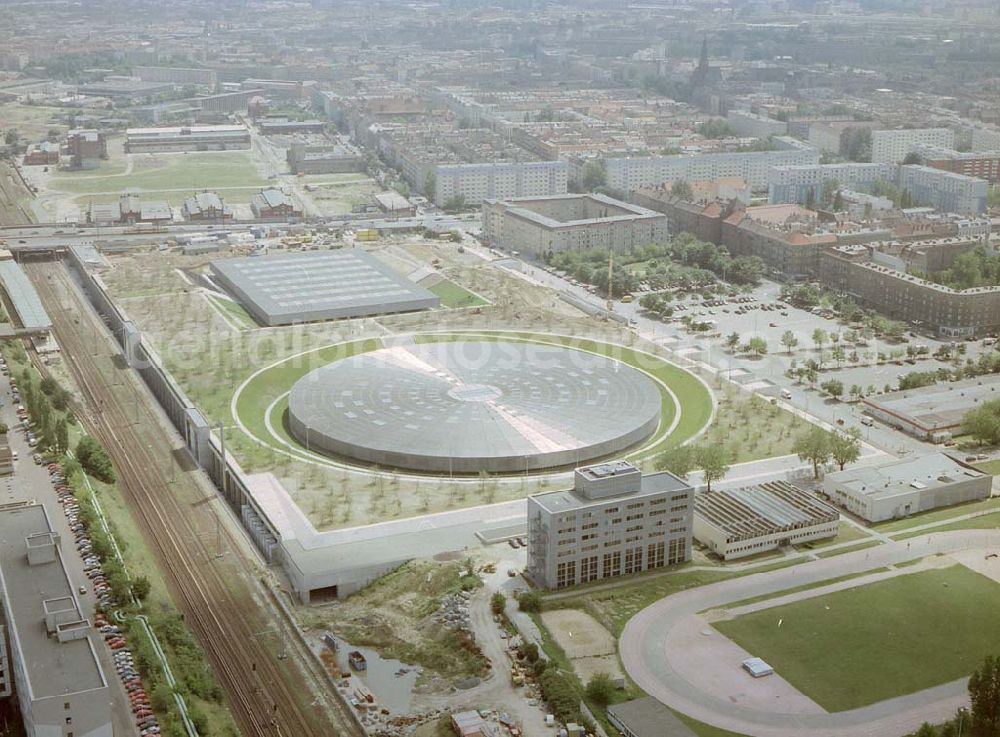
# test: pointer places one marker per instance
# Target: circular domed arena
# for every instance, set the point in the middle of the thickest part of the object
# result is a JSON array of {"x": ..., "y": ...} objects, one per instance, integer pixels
[{"x": 461, "y": 407}]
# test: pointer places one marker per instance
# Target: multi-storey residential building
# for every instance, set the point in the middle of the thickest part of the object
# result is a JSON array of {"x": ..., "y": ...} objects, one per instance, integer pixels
[
  {"x": 477, "y": 182},
  {"x": 61, "y": 687},
  {"x": 788, "y": 184},
  {"x": 613, "y": 522},
  {"x": 629, "y": 173},
  {"x": 570, "y": 222},
  {"x": 978, "y": 164},
  {"x": 944, "y": 190},
  {"x": 177, "y": 75},
  {"x": 750, "y": 124},
  {"x": 852, "y": 270},
  {"x": 985, "y": 139},
  {"x": 892, "y": 146},
  {"x": 769, "y": 234},
  {"x": 187, "y": 138}
]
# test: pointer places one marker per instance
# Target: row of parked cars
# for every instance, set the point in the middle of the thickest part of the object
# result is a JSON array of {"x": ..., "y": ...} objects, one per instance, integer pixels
[
  {"x": 142, "y": 710},
  {"x": 145, "y": 719}
]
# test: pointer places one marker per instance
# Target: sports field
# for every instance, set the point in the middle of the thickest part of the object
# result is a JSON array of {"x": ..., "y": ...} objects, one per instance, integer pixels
[
  {"x": 863, "y": 645},
  {"x": 455, "y": 295}
]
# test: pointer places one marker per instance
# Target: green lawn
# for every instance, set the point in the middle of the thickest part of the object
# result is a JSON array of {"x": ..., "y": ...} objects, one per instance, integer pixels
[
  {"x": 455, "y": 295},
  {"x": 938, "y": 515},
  {"x": 848, "y": 549},
  {"x": 990, "y": 467},
  {"x": 159, "y": 172},
  {"x": 860, "y": 646},
  {"x": 803, "y": 587},
  {"x": 989, "y": 521},
  {"x": 234, "y": 311}
]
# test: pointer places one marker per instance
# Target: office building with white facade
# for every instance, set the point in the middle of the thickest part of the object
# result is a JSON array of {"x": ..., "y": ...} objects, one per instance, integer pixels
[
  {"x": 737, "y": 523},
  {"x": 570, "y": 222},
  {"x": 61, "y": 688},
  {"x": 892, "y": 146},
  {"x": 629, "y": 173},
  {"x": 900, "y": 488},
  {"x": 613, "y": 522}
]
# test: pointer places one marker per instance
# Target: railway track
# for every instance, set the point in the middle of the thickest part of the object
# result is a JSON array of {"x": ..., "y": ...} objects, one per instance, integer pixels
[{"x": 222, "y": 603}]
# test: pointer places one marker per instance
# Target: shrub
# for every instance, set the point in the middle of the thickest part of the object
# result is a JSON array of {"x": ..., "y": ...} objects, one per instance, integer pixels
[
  {"x": 601, "y": 689},
  {"x": 530, "y": 601},
  {"x": 497, "y": 603},
  {"x": 95, "y": 460}
]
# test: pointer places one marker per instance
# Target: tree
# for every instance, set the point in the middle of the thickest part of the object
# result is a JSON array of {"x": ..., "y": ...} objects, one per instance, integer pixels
[
  {"x": 430, "y": 186},
  {"x": 983, "y": 422},
  {"x": 600, "y": 689},
  {"x": 680, "y": 461},
  {"x": 926, "y": 730},
  {"x": 732, "y": 340},
  {"x": 984, "y": 693},
  {"x": 833, "y": 387},
  {"x": 810, "y": 199},
  {"x": 757, "y": 346},
  {"x": 913, "y": 158},
  {"x": 530, "y": 601},
  {"x": 11, "y": 137},
  {"x": 845, "y": 447},
  {"x": 714, "y": 462},
  {"x": 497, "y": 603},
  {"x": 856, "y": 391},
  {"x": 455, "y": 202},
  {"x": 62, "y": 436},
  {"x": 813, "y": 446},
  {"x": 789, "y": 340},
  {"x": 838, "y": 354},
  {"x": 682, "y": 189},
  {"x": 140, "y": 587},
  {"x": 95, "y": 460},
  {"x": 594, "y": 175},
  {"x": 819, "y": 337}
]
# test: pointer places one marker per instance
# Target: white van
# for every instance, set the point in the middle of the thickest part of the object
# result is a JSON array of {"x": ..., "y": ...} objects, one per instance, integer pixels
[
  {"x": 867, "y": 421},
  {"x": 785, "y": 394}
]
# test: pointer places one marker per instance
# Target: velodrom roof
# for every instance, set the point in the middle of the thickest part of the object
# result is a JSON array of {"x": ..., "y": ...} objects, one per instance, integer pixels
[
  {"x": 466, "y": 407},
  {"x": 324, "y": 285},
  {"x": 22, "y": 295}
]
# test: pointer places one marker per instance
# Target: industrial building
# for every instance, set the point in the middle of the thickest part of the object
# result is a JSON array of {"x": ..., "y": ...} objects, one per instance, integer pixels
[
  {"x": 933, "y": 412},
  {"x": 542, "y": 225},
  {"x": 129, "y": 209},
  {"x": 22, "y": 297},
  {"x": 187, "y": 138},
  {"x": 206, "y": 207},
  {"x": 613, "y": 522},
  {"x": 61, "y": 688},
  {"x": 273, "y": 204},
  {"x": 326, "y": 285},
  {"x": 900, "y": 488},
  {"x": 86, "y": 148},
  {"x": 532, "y": 407},
  {"x": 737, "y": 523},
  {"x": 394, "y": 204},
  {"x": 324, "y": 158}
]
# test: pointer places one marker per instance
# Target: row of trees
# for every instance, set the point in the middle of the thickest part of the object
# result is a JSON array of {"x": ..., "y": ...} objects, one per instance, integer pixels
[{"x": 46, "y": 402}]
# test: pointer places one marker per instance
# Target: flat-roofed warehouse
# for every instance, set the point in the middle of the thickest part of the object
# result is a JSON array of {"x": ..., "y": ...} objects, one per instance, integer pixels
[
  {"x": 933, "y": 412},
  {"x": 186, "y": 138},
  {"x": 901, "y": 488},
  {"x": 328, "y": 285},
  {"x": 22, "y": 295},
  {"x": 736, "y": 523},
  {"x": 61, "y": 687}
]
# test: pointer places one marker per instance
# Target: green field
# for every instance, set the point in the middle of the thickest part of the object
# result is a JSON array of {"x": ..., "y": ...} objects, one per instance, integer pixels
[
  {"x": 174, "y": 198},
  {"x": 863, "y": 645},
  {"x": 938, "y": 515},
  {"x": 990, "y": 521},
  {"x": 162, "y": 172},
  {"x": 234, "y": 312},
  {"x": 455, "y": 295}
]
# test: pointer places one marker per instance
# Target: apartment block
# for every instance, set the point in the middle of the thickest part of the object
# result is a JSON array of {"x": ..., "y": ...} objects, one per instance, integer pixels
[
  {"x": 892, "y": 146},
  {"x": 945, "y": 190},
  {"x": 978, "y": 164},
  {"x": 478, "y": 182},
  {"x": 570, "y": 222},
  {"x": 750, "y": 124},
  {"x": 790, "y": 184},
  {"x": 629, "y": 173},
  {"x": 613, "y": 522}
]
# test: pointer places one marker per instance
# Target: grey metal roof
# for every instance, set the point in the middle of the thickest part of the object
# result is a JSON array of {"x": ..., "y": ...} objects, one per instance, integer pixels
[
  {"x": 53, "y": 668},
  {"x": 569, "y": 500},
  {"x": 647, "y": 717},
  {"x": 763, "y": 509},
  {"x": 939, "y": 406},
  {"x": 23, "y": 297},
  {"x": 464, "y": 407},
  {"x": 302, "y": 287},
  {"x": 933, "y": 471}
]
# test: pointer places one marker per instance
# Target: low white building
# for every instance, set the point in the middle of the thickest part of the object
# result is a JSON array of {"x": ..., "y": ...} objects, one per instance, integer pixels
[
  {"x": 901, "y": 488},
  {"x": 737, "y": 523}
]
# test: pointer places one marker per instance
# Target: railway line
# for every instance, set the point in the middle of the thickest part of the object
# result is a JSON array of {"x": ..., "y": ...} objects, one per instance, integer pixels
[{"x": 227, "y": 609}]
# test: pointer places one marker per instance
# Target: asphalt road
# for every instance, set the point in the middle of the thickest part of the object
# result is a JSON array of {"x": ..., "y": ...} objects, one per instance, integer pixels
[{"x": 643, "y": 642}]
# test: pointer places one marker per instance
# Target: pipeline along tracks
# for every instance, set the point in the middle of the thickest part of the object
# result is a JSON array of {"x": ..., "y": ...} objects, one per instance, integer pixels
[{"x": 227, "y": 609}]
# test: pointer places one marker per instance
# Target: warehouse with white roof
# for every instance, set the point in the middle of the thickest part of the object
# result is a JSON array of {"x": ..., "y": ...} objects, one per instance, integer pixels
[
  {"x": 736, "y": 523},
  {"x": 909, "y": 486}
]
